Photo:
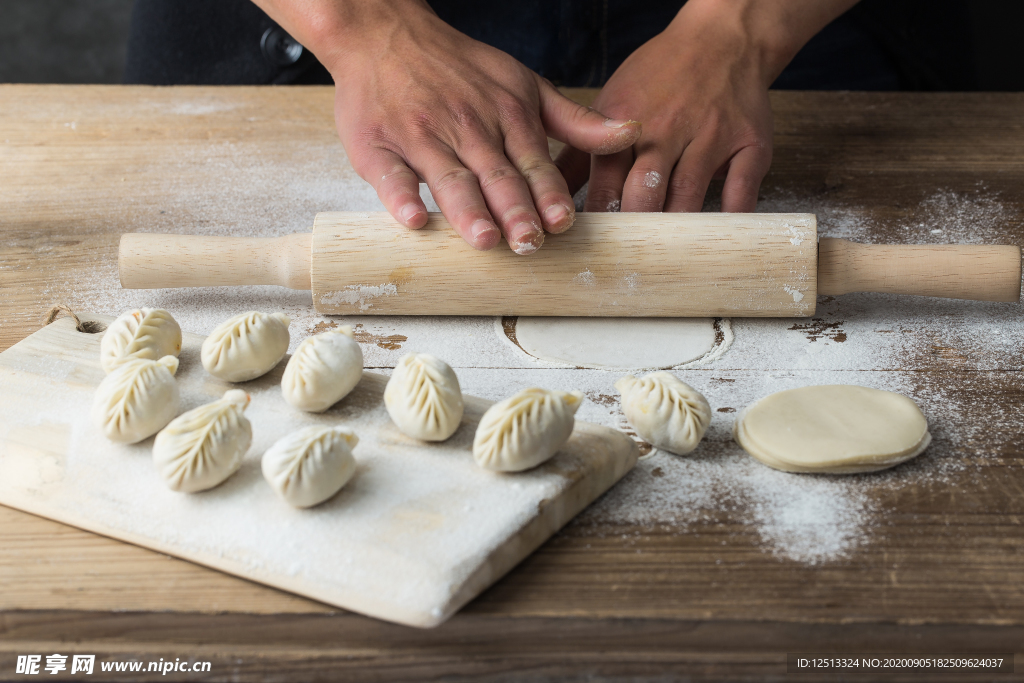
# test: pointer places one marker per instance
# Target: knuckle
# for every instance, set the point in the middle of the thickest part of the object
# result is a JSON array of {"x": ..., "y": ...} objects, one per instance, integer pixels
[
  {"x": 397, "y": 178},
  {"x": 465, "y": 116},
  {"x": 451, "y": 178},
  {"x": 419, "y": 120},
  {"x": 533, "y": 166},
  {"x": 686, "y": 185},
  {"x": 516, "y": 110},
  {"x": 498, "y": 175},
  {"x": 648, "y": 180},
  {"x": 371, "y": 134},
  {"x": 604, "y": 198},
  {"x": 754, "y": 139}
]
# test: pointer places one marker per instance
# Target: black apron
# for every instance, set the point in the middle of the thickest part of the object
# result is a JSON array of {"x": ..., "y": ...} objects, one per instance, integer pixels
[{"x": 879, "y": 45}]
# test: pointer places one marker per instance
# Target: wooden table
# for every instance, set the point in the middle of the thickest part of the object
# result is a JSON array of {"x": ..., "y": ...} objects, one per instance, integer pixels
[{"x": 941, "y": 568}]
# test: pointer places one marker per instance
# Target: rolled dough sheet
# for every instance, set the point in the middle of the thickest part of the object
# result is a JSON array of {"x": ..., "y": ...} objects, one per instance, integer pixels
[
  {"x": 616, "y": 343},
  {"x": 835, "y": 429}
]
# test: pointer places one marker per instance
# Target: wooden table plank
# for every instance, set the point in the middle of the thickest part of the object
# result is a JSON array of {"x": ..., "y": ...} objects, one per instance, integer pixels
[{"x": 940, "y": 567}]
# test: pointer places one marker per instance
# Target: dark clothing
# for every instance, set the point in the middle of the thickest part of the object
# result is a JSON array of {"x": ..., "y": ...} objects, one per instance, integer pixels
[
  {"x": 209, "y": 42},
  {"x": 879, "y": 45}
]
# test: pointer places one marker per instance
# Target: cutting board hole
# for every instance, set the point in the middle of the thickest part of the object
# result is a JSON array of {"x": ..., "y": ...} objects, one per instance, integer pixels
[
  {"x": 84, "y": 326},
  {"x": 90, "y": 327}
]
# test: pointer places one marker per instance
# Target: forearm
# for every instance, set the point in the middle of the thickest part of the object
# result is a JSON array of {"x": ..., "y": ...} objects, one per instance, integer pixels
[
  {"x": 334, "y": 30},
  {"x": 776, "y": 29}
]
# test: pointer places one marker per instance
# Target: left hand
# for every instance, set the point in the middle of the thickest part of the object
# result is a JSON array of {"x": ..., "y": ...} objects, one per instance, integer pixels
[{"x": 700, "y": 89}]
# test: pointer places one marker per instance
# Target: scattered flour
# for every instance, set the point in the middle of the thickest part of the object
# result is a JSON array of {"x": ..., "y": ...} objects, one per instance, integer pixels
[{"x": 585, "y": 278}]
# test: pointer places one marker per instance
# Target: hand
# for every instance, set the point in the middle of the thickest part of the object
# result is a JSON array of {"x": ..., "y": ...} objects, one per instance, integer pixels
[
  {"x": 701, "y": 90},
  {"x": 417, "y": 99}
]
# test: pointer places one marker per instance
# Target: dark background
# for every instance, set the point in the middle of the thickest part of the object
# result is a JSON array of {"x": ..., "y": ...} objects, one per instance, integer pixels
[{"x": 83, "y": 41}]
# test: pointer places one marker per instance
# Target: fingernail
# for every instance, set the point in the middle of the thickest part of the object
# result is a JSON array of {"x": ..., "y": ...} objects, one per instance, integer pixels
[
  {"x": 617, "y": 123},
  {"x": 526, "y": 238},
  {"x": 485, "y": 234},
  {"x": 555, "y": 214},
  {"x": 408, "y": 212},
  {"x": 560, "y": 218}
]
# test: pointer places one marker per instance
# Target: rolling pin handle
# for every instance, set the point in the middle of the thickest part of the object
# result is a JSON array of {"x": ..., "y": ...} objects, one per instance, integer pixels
[
  {"x": 151, "y": 261},
  {"x": 978, "y": 272}
]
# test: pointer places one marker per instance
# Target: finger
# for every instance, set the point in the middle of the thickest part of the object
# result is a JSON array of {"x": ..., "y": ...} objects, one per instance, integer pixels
[
  {"x": 581, "y": 127},
  {"x": 575, "y": 168},
  {"x": 457, "y": 193},
  {"x": 746, "y": 171},
  {"x": 690, "y": 179},
  {"x": 508, "y": 198},
  {"x": 647, "y": 184},
  {"x": 396, "y": 184},
  {"x": 607, "y": 176},
  {"x": 529, "y": 153}
]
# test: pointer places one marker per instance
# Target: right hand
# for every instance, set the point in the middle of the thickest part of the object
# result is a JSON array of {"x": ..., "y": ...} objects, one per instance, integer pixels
[{"x": 417, "y": 99}]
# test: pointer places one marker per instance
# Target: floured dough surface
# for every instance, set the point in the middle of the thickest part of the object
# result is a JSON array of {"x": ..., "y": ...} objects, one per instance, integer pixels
[
  {"x": 834, "y": 429},
  {"x": 616, "y": 343}
]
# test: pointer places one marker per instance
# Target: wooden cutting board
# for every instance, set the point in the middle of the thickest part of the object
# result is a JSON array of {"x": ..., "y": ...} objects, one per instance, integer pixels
[{"x": 418, "y": 532}]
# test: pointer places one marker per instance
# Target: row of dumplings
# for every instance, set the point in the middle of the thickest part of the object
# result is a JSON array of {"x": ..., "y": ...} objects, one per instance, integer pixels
[{"x": 203, "y": 447}]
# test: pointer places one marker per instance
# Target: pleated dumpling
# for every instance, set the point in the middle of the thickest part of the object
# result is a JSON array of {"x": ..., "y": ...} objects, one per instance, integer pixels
[
  {"x": 525, "y": 430},
  {"x": 323, "y": 370},
  {"x": 205, "y": 446},
  {"x": 147, "y": 333},
  {"x": 137, "y": 399},
  {"x": 665, "y": 411},
  {"x": 310, "y": 465},
  {"x": 423, "y": 397},
  {"x": 246, "y": 346}
]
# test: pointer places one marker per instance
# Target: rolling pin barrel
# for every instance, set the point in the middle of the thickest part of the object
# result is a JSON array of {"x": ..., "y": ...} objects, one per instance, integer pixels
[
  {"x": 150, "y": 261},
  {"x": 608, "y": 264}
]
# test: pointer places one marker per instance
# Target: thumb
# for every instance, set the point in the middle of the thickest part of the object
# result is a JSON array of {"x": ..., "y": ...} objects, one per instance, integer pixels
[{"x": 581, "y": 127}]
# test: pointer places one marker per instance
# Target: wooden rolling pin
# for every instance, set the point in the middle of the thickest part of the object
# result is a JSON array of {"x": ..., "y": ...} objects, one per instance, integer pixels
[{"x": 608, "y": 264}]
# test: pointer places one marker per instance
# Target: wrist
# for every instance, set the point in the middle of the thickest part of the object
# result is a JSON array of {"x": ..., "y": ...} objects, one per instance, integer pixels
[
  {"x": 770, "y": 32},
  {"x": 337, "y": 30}
]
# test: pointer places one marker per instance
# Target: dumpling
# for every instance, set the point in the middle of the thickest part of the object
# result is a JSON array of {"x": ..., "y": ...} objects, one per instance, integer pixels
[
  {"x": 665, "y": 411},
  {"x": 205, "y": 446},
  {"x": 246, "y": 346},
  {"x": 149, "y": 333},
  {"x": 525, "y": 430},
  {"x": 310, "y": 465},
  {"x": 323, "y": 370},
  {"x": 137, "y": 399},
  {"x": 423, "y": 397}
]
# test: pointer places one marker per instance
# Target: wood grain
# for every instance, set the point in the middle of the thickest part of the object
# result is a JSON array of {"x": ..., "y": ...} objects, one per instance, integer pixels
[
  {"x": 943, "y": 573},
  {"x": 977, "y": 272}
]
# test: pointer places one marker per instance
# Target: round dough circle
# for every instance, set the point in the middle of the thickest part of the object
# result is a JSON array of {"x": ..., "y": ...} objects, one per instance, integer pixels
[
  {"x": 834, "y": 429},
  {"x": 616, "y": 343}
]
